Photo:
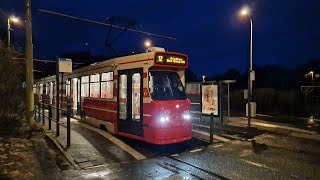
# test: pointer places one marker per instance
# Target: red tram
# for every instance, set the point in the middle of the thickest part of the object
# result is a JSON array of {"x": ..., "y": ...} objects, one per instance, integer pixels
[{"x": 140, "y": 96}]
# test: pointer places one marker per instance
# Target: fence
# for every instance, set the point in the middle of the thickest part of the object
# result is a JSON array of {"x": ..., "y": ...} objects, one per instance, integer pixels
[{"x": 40, "y": 115}]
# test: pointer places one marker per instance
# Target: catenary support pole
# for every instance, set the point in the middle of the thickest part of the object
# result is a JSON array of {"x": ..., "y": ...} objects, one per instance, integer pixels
[
  {"x": 68, "y": 122},
  {"x": 29, "y": 65},
  {"x": 57, "y": 100}
]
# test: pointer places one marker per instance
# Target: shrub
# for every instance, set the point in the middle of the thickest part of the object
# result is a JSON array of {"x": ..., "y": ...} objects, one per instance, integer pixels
[{"x": 12, "y": 104}]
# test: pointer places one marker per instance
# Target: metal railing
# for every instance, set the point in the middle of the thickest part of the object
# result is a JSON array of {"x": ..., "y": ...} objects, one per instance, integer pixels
[{"x": 40, "y": 115}]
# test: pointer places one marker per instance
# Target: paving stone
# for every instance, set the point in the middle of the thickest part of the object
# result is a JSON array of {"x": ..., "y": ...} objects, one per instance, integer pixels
[
  {"x": 97, "y": 162},
  {"x": 71, "y": 173},
  {"x": 4, "y": 171},
  {"x": 80, "y": 160},
  {"x": 3, "y": 156},
  {"x": 14, "y": 173},
  {"x": 85, "y": 164},
  {"x": 8, "y": 164}
]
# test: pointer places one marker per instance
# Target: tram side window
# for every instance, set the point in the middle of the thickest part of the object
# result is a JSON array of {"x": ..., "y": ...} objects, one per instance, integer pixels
[
  {"x": 136, "y": 84},
  {"x": 107, "y": 85},
  {"x": 34, "y": 89},
  {"x": 40, "y": 88},
  {"x": 68, "y": 86},
  {"x": 95, "y": 85},
  {"x": 85, "y": 86},
  {"x": 123, "y": 97},
  {"x": 47, "y": 88}
]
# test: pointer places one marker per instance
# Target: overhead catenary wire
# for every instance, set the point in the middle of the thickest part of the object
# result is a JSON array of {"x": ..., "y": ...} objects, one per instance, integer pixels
[
  {"x": 44, "y": 60},
  {"x": 105, "y": 24}
]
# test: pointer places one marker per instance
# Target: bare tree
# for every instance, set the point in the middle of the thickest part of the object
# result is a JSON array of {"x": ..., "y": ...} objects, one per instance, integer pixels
[{"x": 12, "y": 105}]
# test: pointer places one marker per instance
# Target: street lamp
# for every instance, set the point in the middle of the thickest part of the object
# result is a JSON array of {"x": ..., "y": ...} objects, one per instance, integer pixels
[
  {"x": 147, "y": 43},
  {"x": 311, "y": 72},
  {"x": 245, "y": 13},
  {"x": 14, "y": 20}
]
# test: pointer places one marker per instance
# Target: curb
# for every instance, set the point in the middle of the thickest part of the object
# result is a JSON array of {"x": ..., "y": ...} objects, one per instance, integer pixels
[
  {"x": 61, "y": 149},
  {"x": 256, "y": 130},
  {"x": 69, "y": 158},
  {"x": 288, "y": 132},
  {"x": 230, "y": 129}
]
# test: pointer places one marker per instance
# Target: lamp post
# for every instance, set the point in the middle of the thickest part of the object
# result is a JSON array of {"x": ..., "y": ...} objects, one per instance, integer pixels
[
  {"x": 245, "y": 12},
  {"x": 15, "y": 20}
]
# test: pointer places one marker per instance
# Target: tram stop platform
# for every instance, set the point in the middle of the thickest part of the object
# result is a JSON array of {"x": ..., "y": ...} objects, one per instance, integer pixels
[
  {"x": 96, "y": 154},
  {"x": 90, "y": 146}
]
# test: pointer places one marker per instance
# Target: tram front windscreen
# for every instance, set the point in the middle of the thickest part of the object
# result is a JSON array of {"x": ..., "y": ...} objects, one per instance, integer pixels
[{"x": 166, "y": 85}]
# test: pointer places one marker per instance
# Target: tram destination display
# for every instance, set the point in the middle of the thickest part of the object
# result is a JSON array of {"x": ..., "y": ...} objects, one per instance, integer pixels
[{"x": 171, "y": 59}]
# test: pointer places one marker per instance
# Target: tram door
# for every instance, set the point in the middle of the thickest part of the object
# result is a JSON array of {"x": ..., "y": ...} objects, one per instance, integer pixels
[{"x": 130, "y": 101}]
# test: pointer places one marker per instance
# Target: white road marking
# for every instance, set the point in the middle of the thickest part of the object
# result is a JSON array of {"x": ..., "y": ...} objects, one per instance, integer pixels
[
  {"x": 114, "y": 140},
  {"x": 175, "y": 155},
  {"x": 218, "y": 145},
  {"x": 196, "y": 150},
  {"x": 256, "y": 164},
  {"x": 220, "y": 138}
]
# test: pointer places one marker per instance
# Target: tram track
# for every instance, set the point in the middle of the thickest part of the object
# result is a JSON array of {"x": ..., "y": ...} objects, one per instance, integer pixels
[{"x": 177, "y": 165}]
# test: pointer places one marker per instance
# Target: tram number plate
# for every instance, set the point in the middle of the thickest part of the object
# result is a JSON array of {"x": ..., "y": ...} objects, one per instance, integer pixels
[{"x": 171, "y": 59}]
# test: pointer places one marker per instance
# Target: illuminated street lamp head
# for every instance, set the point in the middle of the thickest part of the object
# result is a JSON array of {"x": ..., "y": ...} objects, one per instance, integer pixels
[
  {"x": 147, "y": 43},
  {"x": 14, "y": 19},
  {"x": 244, "y": 12}
]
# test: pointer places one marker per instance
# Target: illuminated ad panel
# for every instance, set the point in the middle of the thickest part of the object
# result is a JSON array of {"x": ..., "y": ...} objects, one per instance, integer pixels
[{"x": 210, "y": 99}]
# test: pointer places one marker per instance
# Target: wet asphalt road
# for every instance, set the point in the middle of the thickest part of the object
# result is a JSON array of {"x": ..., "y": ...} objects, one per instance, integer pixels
[
  {"x": 267, "y": 157},
  {"x": 264, "y": 157}
]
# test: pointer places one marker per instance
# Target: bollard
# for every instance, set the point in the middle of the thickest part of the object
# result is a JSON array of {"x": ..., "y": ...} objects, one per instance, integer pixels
[
  {"x": 39, "y": 119},
  {"x": 68, "y": 121},
  {"x": 43, "y": 115},
  {"x": 211, "y": 128},
  {"x": 50, "y": 116}
]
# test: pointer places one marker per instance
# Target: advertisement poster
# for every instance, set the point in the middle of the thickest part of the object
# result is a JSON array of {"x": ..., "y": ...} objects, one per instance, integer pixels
[{"x": 210, "y": 99}]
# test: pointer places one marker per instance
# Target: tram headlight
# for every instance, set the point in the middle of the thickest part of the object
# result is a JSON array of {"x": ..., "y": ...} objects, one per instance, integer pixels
[
  {"x": 186, "y": 116},
  {"x": 164, "y": 119}
]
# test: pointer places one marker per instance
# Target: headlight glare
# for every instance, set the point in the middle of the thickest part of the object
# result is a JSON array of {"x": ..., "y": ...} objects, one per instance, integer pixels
[{"x": 186, "y": 116}]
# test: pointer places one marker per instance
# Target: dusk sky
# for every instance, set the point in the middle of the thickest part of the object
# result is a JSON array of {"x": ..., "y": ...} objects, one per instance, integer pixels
[{"x": 286, "y": 32}]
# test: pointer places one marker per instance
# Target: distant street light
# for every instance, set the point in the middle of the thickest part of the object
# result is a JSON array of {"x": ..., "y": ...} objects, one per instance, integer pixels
[
  {"x": 245, "y": 12},
  {"x": 311, "y": 72},
  {"x": 203, "y": 78},
  {"x": 147, "y": 43},
  {"x": 15, "y": 20}
]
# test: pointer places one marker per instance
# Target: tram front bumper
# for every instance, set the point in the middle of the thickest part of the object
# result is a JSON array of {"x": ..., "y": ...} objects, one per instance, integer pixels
[{"x": 168, "y": 135}]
